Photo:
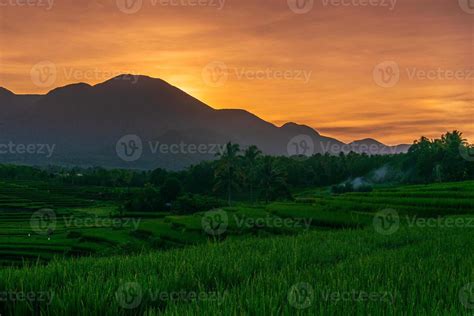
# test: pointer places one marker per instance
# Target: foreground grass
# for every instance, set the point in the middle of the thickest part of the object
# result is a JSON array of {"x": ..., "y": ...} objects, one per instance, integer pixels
[
  {"x": 339, "y": 265},
  {"x": 415, "y": 271}
]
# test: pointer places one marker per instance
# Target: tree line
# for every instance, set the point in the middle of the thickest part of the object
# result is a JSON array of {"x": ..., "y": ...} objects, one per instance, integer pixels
[{"x": 247, "y": 174}]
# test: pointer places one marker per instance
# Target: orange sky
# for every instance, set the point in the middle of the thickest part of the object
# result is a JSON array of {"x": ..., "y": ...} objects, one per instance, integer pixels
[{"x": 317, "y": 68}]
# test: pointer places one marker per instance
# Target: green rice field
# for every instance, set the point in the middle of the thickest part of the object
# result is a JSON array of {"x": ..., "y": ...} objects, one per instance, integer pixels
[{"x": 406, "y": 250}]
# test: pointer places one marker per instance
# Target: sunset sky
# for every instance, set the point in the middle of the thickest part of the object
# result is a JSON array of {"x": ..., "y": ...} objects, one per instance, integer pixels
[{"x": 320, "y": 65}]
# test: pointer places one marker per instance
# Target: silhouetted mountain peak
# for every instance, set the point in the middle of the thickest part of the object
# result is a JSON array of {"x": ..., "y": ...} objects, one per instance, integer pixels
[
  {"x": 5, "y": 92},
  {"x": 368, "y": 141},
  {"x": 298, "y": 128},
  {"x": 134, "y": 81},
  {"x": 146, "y": 90},
  {"x": 71, "y": 89}
]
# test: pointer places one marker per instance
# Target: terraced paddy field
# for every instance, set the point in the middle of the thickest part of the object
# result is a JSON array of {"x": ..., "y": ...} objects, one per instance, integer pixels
[
  {"x": 86, "y": 224},
  {"x": 405, "y": 250},
  {"x": 337, "y": 272}
]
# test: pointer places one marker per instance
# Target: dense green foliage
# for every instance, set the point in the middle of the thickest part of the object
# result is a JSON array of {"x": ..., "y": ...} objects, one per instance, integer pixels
[
  {"x": 440, "y": 159},
  {"x": 301, "y": 235},
  {"x": 248, "y": 175}
]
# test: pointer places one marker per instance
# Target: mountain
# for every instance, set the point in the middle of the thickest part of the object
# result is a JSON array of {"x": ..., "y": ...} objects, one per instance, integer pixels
[
  {"x": 372, "y": 146},
  {"x": 88, "y": 125},
  {"x": 12, "y": 104},
  {"x": 5, "y": 93}
]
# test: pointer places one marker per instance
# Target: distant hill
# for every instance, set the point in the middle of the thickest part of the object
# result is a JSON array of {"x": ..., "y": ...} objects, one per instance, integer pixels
[
  {"x": 84, "y": 123},
  {"x": 369, "y": 145}
]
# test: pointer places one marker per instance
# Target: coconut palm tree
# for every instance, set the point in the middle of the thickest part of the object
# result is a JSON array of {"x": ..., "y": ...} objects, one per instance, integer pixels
[
  {"x": 251, "y": 157},
  {"x": 271, "y": 178},
  {"x": 228, "y": 171}
]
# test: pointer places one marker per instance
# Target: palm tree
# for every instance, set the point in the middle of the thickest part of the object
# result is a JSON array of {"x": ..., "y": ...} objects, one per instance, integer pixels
[
  {"x": 271, "y": 178},
  {"x": 251, "y": 157},
  {"x": 228, "y": 170}
]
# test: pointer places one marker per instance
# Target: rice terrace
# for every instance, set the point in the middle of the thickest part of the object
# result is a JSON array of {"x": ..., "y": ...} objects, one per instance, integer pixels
[
  {"x": 69, "y": 245},
  {"x": 236, "y": 157}
]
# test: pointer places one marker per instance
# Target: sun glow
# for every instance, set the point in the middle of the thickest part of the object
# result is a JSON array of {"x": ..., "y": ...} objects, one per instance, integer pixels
[{"x": 315, "y": 68}]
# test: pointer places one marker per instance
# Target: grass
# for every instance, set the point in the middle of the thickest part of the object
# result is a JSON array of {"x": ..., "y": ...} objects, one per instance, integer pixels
[
  {"x": 88, "y": 225},
  {"x": 415, "y": 271},
  {"x": 263, "y": 263}
]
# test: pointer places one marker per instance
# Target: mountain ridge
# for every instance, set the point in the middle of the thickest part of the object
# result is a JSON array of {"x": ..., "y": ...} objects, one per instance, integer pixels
[{"x": 85, "y": 121}]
